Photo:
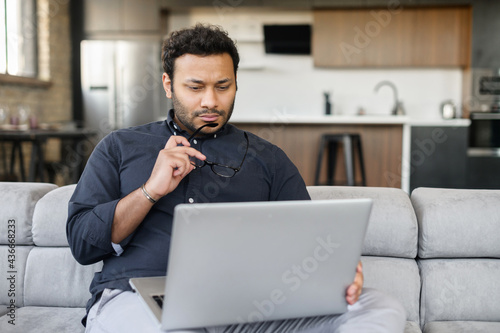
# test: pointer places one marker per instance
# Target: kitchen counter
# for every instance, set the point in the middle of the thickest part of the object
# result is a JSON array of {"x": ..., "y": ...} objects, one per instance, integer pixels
[{"x": 348, "y": 119}]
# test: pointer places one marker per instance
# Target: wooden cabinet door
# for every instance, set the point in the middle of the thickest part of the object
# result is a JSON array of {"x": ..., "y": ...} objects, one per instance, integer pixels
[{"x": 385, "y": 37}]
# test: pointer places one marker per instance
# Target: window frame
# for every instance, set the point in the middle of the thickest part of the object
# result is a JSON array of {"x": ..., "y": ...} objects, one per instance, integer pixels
[{"x": 29, "y": 30}]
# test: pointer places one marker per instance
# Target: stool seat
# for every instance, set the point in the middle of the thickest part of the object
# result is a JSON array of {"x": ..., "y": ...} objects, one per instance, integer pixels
[{"x": 351, "y": 143}]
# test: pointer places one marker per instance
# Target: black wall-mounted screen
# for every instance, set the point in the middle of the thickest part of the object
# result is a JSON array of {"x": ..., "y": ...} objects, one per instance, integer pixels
[{"x": 288, "y": 39}]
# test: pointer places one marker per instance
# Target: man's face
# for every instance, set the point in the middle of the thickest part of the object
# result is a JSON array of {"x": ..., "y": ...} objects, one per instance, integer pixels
[{"x": 204, "y": 91}]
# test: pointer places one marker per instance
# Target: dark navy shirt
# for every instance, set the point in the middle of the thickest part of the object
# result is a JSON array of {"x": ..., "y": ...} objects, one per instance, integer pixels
[{"x": 123, "y": 161}]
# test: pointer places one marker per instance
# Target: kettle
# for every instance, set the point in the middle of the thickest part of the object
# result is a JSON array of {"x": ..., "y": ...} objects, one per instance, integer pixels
[{"x": 448, "y": 109}]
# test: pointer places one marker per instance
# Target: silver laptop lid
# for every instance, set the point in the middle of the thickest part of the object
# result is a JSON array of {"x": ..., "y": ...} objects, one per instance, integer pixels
[{"x": 244, "y": 262}]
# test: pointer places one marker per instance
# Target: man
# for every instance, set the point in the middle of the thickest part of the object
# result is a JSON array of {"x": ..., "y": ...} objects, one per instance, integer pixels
[{"x": 121, "y": 211}]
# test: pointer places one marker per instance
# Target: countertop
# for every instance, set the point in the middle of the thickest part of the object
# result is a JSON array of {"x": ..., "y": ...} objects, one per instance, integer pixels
[{"x": 346, "y": 119}]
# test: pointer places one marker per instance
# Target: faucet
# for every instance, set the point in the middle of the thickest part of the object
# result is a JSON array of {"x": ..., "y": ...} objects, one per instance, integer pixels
[{"x": 398, "y": 108}]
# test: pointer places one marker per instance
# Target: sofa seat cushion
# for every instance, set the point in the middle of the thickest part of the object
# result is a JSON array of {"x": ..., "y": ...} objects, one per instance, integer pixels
[
  {"x": 33, "y": 319},
  {"x": 460, "y": 290},
  {"x": 457, "y": 223},
  {"x": 392, "y": 229},
  {"x": 412, "y": 327},
  {"x": 462, "y": 326},
  {"x": 396, "y": 277}
]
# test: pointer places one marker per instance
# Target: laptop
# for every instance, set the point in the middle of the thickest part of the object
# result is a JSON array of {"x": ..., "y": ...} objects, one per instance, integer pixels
[{"x": 232, "y": 263}]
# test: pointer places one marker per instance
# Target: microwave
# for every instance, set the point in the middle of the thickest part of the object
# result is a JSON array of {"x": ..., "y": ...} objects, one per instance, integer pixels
[{"x": 485, "y": 92}]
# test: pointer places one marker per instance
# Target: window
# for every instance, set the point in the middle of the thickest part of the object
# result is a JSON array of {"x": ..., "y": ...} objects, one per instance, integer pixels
[{"x": 18, "y": 38}]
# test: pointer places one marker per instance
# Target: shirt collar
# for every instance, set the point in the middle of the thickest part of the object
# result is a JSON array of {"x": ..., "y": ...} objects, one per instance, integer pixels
[{"x": 172, "y": 125}]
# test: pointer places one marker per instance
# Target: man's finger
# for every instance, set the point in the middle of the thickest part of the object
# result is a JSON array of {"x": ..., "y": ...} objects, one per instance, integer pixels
[{"x": 176, "y": 140}]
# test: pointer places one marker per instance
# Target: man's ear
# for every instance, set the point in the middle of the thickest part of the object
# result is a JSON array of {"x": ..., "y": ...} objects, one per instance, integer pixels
[{"x": 167, "y": 85}]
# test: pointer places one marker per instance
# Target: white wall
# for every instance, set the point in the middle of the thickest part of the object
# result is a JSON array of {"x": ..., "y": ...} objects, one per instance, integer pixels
[{"x": 270, "y": 84}]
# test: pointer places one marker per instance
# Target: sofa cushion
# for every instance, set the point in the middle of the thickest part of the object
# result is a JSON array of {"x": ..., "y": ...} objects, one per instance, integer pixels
[
  {"x": 18, "y": 202},
  {"x": 461, "y": 326},
  {"x": 12, "y": 275},
  {"x": 397, "y": 277},
  {"x": 457, "y": 223},
  {"x": 45, "y": 319},
  {"x": 460, "y": 289},
  {"x": 54, "y": 278},
  {"x": 412, "y": 327},
  {"x": 392, "y": 229},
  {"x": 49, "y": 217}
]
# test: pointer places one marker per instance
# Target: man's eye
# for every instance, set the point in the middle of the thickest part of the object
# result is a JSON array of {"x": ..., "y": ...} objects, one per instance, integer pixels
[
  {"x": 195, "y": 88},
  {"x": 223, "y": 87}
]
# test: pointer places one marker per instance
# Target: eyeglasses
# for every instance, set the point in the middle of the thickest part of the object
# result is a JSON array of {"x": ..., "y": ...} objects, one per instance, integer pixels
[{"x": 219, "y": 169}]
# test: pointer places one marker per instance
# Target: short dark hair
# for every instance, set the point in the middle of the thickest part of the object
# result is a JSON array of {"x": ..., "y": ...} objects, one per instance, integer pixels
[{"x": 200, "y": 40}]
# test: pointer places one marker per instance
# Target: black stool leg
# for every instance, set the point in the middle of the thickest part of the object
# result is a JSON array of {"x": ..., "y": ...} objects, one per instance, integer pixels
[
  {"x": 39, "y": 160},
  {"x": 320, "y": 159},
  {"x": 349, "y": 169},
  {"x": 4, "y": 158},
  {"x": 332, "y": 161},
  {"x": 16, "y": 145},
  {"x": 361, "y": 161}
]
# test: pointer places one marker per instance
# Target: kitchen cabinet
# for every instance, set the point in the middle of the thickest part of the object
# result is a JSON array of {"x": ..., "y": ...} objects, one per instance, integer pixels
[
  {"x": 483, "y": 172},
  {"x": 392, "y": 37},
  {"x": 438, "y": 157},
  {"x": 119, "y": 16},
  {"x": 382, "y": 148}
]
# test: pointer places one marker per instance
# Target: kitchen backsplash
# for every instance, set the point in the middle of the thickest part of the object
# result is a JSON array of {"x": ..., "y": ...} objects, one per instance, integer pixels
[{"x": 292, "y": 85}]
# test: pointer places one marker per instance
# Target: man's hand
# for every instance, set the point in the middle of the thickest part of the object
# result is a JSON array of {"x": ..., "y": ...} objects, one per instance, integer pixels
[
  {"x": 172, "y": 165},
  {"x": 354, "y": 290}
]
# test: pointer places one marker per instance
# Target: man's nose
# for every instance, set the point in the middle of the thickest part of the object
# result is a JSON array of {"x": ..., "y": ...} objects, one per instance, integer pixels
[{"x": 209, "y": 100}]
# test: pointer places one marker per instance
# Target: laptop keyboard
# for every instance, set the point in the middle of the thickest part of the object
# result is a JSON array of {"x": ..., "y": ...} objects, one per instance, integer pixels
[{"x": 159, "y": 300}]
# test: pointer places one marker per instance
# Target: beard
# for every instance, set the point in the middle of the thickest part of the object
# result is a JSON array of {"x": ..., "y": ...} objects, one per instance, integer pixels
[{"x": 187, "y": 118}]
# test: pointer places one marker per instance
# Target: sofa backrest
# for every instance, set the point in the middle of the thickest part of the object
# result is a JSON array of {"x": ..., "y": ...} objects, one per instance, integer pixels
[
  {"x": 18, "y": 202},
  {"x": 452, "y": 221},
  {"x": 390, "y": 245},
  {"x": 459, "y": 254},
  {"x": 64, "y": 282},
  {"x": 392, "y": 229},
  {"x": 46, "y": 274}
]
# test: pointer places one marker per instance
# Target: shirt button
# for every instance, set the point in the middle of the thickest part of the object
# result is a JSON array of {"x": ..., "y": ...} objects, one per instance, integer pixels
[
  {"x": 195, "y": 142},
  {"x": 191, "y": 200}
]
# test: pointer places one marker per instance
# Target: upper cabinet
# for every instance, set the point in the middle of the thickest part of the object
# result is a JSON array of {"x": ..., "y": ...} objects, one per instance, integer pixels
[
  {"x": 485, "y": 28},
  {"x": 121, "y": 16},
  {"x": 392, "y": 37}
]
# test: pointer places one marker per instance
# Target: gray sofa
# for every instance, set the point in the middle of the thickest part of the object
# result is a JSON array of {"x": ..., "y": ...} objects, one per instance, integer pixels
[{"x": 437, "y": 252}]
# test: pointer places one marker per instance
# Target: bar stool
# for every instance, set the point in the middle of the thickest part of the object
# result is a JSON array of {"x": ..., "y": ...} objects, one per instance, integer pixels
[{"x": 351, "y": 143}]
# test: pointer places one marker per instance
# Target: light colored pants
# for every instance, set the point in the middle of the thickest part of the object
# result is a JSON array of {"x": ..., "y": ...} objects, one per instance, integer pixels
[{"x": 122, "y": 311}]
